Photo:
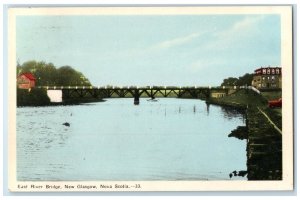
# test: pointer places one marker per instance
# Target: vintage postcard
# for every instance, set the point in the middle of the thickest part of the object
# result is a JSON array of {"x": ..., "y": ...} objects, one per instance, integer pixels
[{"x": 150, "y": 98}]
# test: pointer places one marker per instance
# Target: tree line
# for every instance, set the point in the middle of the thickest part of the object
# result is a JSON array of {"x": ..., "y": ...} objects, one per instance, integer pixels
[
  {"x": 47, "y": 74},
  {"x": 240, "y": 81}
]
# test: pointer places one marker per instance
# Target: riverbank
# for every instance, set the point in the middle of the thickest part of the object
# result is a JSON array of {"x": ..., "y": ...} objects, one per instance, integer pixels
[
  {"x": 243, "y": 98},
  {"x": 264, "y": 147},
  {"x": 263, "y": 133},
  {"x": 240, "y": 99},
  {"x": 32, "y": 97},
  {"x": 66, "y": 103},
  {"x": 39, "y": 97}
]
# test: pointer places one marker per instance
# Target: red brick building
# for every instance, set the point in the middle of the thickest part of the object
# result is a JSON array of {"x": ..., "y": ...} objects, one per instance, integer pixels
[
  {"x": 26, "y": 81},
  {"x": 267, "y": 78}
]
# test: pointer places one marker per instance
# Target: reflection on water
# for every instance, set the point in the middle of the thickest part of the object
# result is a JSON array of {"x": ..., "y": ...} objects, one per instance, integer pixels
[
  {"x": 230, "y": 113},
  {"x": 170, "y": 139}
]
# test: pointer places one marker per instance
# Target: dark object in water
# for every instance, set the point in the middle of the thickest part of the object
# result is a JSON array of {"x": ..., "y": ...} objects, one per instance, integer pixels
[
  {"x": 240, "y": 132},
  {"x": 243, "y": 173},
  {"x": 238, "y": 173},
  {"x": 235, "y": 173},
  {"x": 66, "y": 124}
]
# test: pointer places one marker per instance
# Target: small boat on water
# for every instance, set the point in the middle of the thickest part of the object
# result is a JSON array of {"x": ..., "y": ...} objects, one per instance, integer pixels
[
  {"x": 152, "y": 100},
  {"x": 66, "y": 124}
]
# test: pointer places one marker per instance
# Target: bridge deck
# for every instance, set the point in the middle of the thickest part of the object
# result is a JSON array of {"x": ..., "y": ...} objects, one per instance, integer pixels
[
  {"x": 134, "y": 87},
  {"x": 137, "y": 92}
]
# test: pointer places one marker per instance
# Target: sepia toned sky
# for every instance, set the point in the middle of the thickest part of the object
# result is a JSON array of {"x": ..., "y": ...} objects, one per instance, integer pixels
[{"x": 152, "y": 50}]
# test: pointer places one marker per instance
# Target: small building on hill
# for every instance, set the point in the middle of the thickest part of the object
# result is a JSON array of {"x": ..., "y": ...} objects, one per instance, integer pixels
[
  {"x": 267, "y": 78},
  {"x": 26, "y": 80}
]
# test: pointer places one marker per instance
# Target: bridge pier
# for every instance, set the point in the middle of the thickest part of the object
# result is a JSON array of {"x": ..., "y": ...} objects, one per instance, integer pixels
[
  {"x": 151, "y": 94},
  {"x": 136, "y": 97}
]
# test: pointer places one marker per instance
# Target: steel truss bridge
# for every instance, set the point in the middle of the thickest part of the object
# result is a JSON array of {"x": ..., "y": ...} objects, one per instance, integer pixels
[
  {"x": 136, "y": 92},
  {"x": 133, "y": 91}
]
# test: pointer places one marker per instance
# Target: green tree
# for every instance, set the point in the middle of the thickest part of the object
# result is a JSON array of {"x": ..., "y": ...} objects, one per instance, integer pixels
[
  {"x": 246, "y": 79},
  {"x": 68, "y": 76},
  {"x": 48, "y": 75},
  {"x": 229, "y": 81}
]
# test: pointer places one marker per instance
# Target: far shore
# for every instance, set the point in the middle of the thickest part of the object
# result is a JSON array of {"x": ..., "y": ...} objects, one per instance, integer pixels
[{"x": 66, "y": 103}]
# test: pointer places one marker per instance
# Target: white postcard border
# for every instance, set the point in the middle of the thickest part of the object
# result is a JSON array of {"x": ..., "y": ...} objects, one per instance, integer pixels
[{"x": 287, "y": 140}]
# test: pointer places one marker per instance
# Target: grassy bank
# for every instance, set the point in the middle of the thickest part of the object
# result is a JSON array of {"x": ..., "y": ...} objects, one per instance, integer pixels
[
  {"x": 270, "y": 95},
  {"x": 33, "y": 97},
  {"x": 244, "y": 98}
]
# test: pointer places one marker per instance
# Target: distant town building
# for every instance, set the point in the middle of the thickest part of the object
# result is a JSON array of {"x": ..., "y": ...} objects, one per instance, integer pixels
[
  {"x": 267, "y": 78},
  {"x": 219, "y": 94},
  {"x": 26, "y": 81}
]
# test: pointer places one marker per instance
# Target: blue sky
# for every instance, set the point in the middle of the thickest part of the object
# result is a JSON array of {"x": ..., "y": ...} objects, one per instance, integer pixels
[{"x": 152, "y": 50}]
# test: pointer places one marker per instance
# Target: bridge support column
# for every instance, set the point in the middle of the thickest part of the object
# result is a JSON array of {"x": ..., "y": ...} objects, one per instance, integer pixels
[
  {"x": 136, "y": 97},
  {"x": 65, "y": 94},
  {"x": 151, "y": 94}
]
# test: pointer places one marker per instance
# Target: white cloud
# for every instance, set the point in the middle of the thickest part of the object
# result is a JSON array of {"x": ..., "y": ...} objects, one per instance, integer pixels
[
  {"x": 245, "y": 27},
  {"x": 176, "y": 41},
  {"x": 236, "y": 35},
  {"x": 204, "y": 63},
  {"x": 133, "y": 53}
]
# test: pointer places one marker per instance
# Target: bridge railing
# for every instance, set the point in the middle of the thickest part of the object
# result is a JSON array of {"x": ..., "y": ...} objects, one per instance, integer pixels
[{"x": 143, "y": 87}]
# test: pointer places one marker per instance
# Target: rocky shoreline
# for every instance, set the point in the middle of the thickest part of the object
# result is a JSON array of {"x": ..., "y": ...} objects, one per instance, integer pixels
[
  {"x": 264, "y": 148},
  {"x": 241, "y": 132},
  {"x": 264, "y": 143}
]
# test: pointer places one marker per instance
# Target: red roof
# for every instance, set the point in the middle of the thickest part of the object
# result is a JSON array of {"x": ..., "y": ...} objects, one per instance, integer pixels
[
  {"x": 267, "y": 68},
  {"x": 30, "y": 76},
  {"x": 258, "y": 69}
]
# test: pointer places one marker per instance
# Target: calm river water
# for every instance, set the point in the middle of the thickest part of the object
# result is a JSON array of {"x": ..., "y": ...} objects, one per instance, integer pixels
[{"x": 171, "y": 139}]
